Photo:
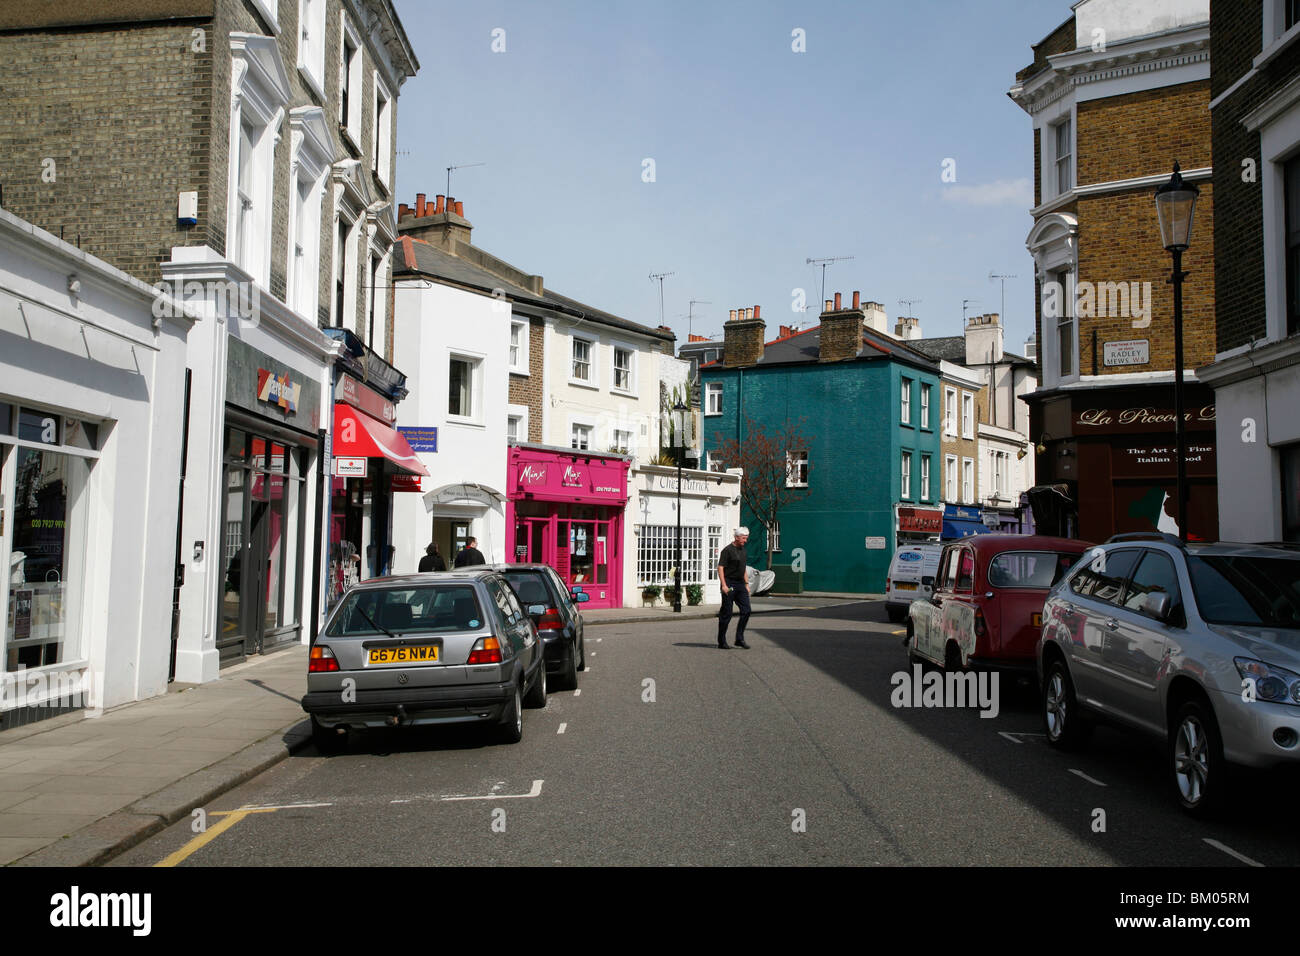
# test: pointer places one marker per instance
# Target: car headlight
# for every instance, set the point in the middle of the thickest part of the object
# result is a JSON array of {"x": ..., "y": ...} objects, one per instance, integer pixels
[{"x": 1274, "y": 684}]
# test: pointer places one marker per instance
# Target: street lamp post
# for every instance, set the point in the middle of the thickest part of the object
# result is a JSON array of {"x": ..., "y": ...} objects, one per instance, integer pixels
[
  {"x": 1176, "y": 205},
  {"x": 679, "y": 428}
]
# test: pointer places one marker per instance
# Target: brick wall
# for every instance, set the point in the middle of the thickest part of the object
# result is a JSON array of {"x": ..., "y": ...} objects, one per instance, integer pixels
[
  {"x": 527, "y": 389},
  {"x": 1141, "y": 134},
  {"x": 1060, "y": 40},
  {"x": 1238, "y": 231},
  {"x": 118, "y": 171}
]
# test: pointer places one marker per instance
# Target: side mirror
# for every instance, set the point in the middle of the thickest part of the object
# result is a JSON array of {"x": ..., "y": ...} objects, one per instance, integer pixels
[
  {"x": 581, "y": 597},
  {"x": 1156, "y": 604}
]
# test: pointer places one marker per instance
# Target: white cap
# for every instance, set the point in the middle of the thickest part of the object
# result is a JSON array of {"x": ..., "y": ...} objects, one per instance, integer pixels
[{"x": 742, "y": 530}]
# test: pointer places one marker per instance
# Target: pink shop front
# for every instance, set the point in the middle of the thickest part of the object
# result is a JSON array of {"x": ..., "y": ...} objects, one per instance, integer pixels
[{"x": 566, "y": 509}]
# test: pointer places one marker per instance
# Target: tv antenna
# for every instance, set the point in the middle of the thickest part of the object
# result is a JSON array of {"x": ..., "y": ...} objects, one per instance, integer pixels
[
  {"x": 1003, "y": 279},
  {"x": 690, "y": 315},
  {"x": 461, "y": 166},
  {"x": 909, "y": 303},
  {"x": 661, "y": 276},
  {"x": 963, "y": 312},
  {"x": 824, "y": 263}
]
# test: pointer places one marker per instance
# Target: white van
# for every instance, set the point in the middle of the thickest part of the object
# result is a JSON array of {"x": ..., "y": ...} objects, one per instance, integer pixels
[{"x": 911, "y": 577}]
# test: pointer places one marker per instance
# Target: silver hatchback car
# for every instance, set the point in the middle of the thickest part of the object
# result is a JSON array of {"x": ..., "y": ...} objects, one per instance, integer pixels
[
  {"x": 1198, "y": 644},
  {"x": 450, "y": 647}
]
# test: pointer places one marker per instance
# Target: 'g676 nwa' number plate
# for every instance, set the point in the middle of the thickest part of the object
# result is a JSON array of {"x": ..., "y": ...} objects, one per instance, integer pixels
[{"x": 403, "y": 655}]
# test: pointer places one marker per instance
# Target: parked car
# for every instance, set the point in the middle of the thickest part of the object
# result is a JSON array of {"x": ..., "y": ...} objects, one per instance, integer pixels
[
  {"x": 553, "y": 608},
  {"x": 1197, "y": 644},
  {"x": 451, "y": 647},
  {"x": 986, "y": 609},
  {"x": 911, "y": 577}
]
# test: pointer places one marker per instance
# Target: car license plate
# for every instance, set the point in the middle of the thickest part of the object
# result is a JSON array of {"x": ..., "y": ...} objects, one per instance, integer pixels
[
  {"x": 1036, "y": 620},
  {"x": 905, "y": 586},
  {"x": 403, "y": 655}
]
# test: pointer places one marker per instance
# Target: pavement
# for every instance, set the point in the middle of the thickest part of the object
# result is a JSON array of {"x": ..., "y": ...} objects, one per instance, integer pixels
[{"x": 78, "y": 790}]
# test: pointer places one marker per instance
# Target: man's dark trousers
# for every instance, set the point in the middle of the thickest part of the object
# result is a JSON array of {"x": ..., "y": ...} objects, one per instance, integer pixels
[{"x": 739, "y": 593}]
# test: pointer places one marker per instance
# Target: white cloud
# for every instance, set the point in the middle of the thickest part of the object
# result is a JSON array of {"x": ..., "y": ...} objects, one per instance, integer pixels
[{"x": 1014, "y": 192}]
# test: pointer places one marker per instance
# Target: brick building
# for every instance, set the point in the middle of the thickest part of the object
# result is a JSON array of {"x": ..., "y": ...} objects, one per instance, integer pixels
[
  {"x": 1255, "y": 127},
  {"x": 1117, "y": 94},
  {"x": 237, "y": 155},
  {"x": 870, "y": 405}
]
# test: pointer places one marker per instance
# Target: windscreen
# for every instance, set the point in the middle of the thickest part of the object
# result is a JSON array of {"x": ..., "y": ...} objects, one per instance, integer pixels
[
  {"x": 402, "y": 610},
  {"x": 1247, "y": 590}
]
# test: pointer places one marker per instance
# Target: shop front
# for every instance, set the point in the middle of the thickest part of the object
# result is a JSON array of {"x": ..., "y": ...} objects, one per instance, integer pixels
[
  {"x": 269, "y": 449},
  {"x": 961, "y": 521},
  {"x": 914, "y": 524},
  {"x": 370, "y": 461},
  {"x": 1109, "y": 463},
  {"x": 566, "y": 510}
]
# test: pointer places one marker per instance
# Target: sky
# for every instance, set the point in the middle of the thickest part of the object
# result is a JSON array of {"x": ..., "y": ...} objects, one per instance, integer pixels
[{"x": 622, "y": 139}]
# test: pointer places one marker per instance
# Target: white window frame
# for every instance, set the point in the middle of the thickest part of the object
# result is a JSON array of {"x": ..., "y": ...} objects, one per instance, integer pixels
[
  {"x": 593, "y": 370},
  {"x": 632, "y": 354},
  {"x": 1054, "y": 132},
  {"x": 346, "y": 259},
  {"x": 377, "y": 297},
  {"x": 1067, "y": 320},
  {"x": 714, "y": 542},
  {"x": 950, "y": 477},
  {"x": 925, "y": 478},
  {"x": 589, "y": 425},
  {"x": 259, "y": 95},
  {"x": 905, "y": 400},
  {"x": 950, "y": 412},
  {"x": 796, "y": 468},
  {"x": 268, "y": 9},
  {"x": 382, "y": 142},
  {"x": 773, "y": 529},
  {"x": 712, "y": 390},
  {"x": 352, "y": 74},
  {"x": 968, "y": 481},
  {"x": 309, "y": 171},
  {"x": 518, "y": 413},
  {"x": 519, "y": 363},
  {"x": 967, "y": 415},
  {"x": 1278, "y": 124},
  {"x": 476, "y": 397},
  {"x": 311, "y": 44},
  {"x": 905, "y": 476},
  {"x": 925, "y": 405},
  {"x": 630, "y": 444}
]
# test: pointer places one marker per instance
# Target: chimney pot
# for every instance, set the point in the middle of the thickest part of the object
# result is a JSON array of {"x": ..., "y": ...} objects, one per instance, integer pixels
[
  {"x": 756, "y": 311},
  {"x": 837, "y": 301},
  {"x": 403, "y": 210},
  {"x": 857, "y": 300},
  {"x": 438, "y": 210},
  {"x": 419, "y": 205},
  {"x": 733, "y": 316},
  {"x": 749, "y": 313},
  {"x": 460, "y": 209},
  {"x": 828, "y": 306}
]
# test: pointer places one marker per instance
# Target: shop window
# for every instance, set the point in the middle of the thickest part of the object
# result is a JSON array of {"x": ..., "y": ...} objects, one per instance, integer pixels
[
  {"x": 654, "y": 555},
  {"x": 715, "y": 550}
]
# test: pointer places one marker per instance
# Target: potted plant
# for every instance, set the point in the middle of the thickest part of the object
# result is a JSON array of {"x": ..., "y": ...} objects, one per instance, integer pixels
[
  {"x": 694, "y": 594},
  {"x": 670, "y": 594},
  {"x": 650, "y": 593}
]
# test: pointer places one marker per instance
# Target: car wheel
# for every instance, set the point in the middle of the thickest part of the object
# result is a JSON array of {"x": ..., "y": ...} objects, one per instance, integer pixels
[
  {"x": 582, "y": 655},
  {"x": 569, "y": 679},
  {"x": 537, "y": 693},
  {"x": 327, "y": 740},
  {"x": 896, "y": 613},
  {"x": 1065, "y": 728},
  {"x": 511, "y": 730},
  {"x": 1196, "y": 759}
]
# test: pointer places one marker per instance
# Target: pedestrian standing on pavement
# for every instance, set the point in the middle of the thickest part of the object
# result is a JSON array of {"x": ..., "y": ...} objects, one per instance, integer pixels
[
  {"x": 735, "y": 588},
  {"x": 432, "y": 560},
  {"x": 469, "y": 554}
]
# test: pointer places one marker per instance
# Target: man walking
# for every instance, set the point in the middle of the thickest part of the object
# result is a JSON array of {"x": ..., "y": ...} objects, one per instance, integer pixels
[
  {"x": 731, "y": 575},
  {"x": 469, "y": 554}
]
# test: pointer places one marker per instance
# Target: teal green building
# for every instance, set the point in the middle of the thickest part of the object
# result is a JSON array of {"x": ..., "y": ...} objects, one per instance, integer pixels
[{"x": 870, "y": 406}]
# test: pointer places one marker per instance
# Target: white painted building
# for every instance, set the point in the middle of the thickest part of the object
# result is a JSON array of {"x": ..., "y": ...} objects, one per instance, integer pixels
[
  {"x": 92, "y": 400},
  {"x": 454, "y": 344}
]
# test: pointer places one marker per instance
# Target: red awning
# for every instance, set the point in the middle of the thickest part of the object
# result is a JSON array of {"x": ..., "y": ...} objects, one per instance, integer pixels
[{"x": 358, "y": 435}]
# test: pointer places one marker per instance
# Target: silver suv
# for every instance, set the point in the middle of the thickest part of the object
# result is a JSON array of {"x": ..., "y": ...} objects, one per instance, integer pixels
[{"x": 1198, "y": 644}]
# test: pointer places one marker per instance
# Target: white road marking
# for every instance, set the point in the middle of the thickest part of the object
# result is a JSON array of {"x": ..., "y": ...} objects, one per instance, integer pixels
[
  {"x": 592, "y": 654},
  {"x": 1231, "y": 852},
  {"x": 399, "y": 801},
  {"x": 1080, "y": 773},
  {"x": 536, "y": 791},
  {"x": 561, "y": 730},
  {"x": 287, "y": 806},
  {"x": 1014, "y": 736},
  {"x": 599, "y": 639},
  {"x": 577, "y": 692}
]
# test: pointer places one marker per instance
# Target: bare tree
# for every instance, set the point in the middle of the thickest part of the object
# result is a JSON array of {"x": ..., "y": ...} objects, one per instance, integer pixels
[{"x": 776, "y": 468}]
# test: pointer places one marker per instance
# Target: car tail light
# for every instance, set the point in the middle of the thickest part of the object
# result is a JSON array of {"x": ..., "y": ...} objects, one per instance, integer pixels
[
  {"x": 551, "y": 620},
  {"x": 980, "y": 628},
  {"x": 321, "y": 659},
  {"x": 886, "y": 585},
  {"x": 486, "y": 650}
]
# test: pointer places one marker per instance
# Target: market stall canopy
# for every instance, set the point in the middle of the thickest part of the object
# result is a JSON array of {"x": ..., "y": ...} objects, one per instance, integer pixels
[
  {"x": 962, "y": 523},
  {"x": 358, "y": 435}
]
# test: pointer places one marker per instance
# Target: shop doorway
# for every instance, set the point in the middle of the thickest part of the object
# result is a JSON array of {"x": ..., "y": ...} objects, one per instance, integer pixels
[
  {"x": 580, "y": 545},
  {"x": 451, "y": 535}
]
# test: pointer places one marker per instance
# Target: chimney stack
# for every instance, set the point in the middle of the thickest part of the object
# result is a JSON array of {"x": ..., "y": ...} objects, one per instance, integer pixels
[
  {"x": 441, "y": 223},
  {"x": 907, "y": 328},
  {"x": 984, "y": 339},
  {"x": 875, "y": 318},
  {"x": 742, "y": 337},
  {"x": 841, "y": 332}
]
